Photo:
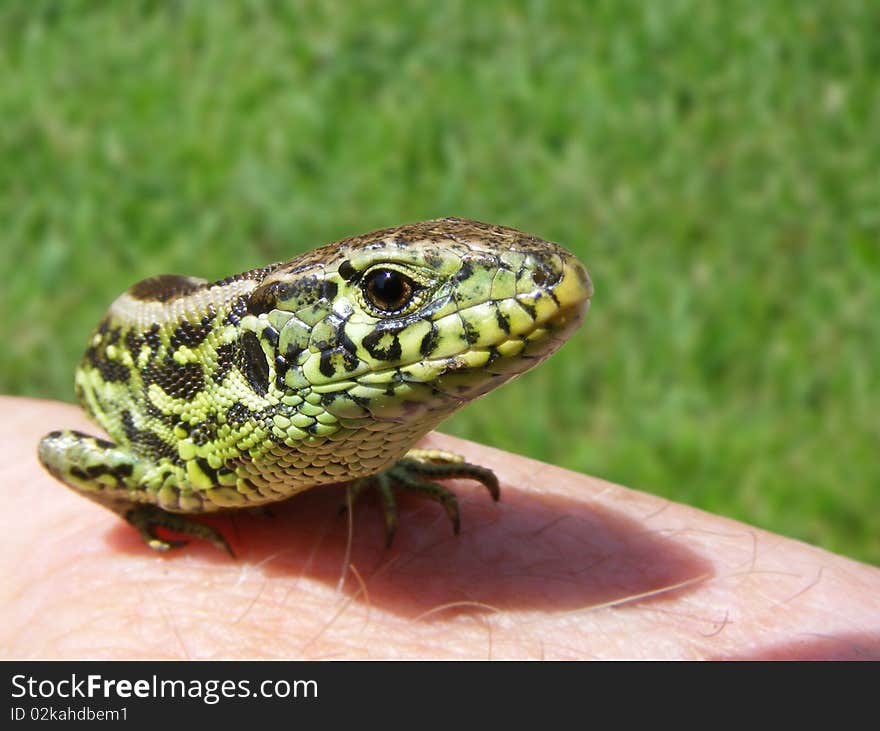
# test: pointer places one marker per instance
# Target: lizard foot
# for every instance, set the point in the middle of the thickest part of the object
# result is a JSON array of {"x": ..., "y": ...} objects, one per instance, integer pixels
[
  {"x": 146, "y": 518},
  {"x": 415, "y": 473}
]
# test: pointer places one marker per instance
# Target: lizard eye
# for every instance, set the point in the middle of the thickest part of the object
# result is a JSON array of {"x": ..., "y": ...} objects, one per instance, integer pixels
[{"x": 388, "y": 290}]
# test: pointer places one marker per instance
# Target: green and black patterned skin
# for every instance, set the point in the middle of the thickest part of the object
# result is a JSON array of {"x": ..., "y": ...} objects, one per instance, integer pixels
[{"x": 323, "y": 369}]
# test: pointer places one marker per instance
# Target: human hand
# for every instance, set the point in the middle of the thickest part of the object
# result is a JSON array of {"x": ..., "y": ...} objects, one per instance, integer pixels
[{"x": 564, "y": 567}]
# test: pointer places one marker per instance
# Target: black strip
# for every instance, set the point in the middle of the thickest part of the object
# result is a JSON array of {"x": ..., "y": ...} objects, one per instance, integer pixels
[{"x": 253, "y": 363}]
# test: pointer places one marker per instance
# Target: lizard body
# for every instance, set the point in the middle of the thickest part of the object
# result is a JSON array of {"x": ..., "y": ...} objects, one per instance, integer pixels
[{"x": 323, "y": 369}]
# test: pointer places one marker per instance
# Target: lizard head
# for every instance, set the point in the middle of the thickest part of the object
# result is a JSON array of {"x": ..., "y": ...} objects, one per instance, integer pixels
[{"x": 419, "y": 318}]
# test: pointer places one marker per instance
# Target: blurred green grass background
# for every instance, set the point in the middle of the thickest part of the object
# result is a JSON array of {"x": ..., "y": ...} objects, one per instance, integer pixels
[{"x": 715, "y": 165}]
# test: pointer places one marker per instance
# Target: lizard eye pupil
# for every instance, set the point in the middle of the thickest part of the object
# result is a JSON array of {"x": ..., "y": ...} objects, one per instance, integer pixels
[{"x": 388, "y": 290}]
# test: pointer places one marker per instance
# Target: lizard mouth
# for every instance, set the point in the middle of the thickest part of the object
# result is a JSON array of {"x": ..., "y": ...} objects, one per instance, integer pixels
[{"x": 570, "y": 316}]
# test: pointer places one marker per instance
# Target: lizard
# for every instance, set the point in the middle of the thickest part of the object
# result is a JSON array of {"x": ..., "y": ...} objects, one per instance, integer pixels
[{"x": 326, "y": 368}]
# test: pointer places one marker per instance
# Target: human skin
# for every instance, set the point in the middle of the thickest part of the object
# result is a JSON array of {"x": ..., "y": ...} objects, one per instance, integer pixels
[{"x": 564, "y": 567}]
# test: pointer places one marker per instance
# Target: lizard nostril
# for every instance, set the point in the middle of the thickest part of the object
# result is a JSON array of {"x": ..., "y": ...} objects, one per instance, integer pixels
[{"x": 539, "y": 277}]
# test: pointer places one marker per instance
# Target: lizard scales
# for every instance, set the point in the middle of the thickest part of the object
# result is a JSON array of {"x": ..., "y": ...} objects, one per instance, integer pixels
[{"x": 322, "y": 369}]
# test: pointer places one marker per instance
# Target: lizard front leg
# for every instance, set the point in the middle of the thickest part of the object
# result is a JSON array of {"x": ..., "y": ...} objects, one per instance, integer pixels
[
  {"x": 415, "y": 473},
  {"x": 120, "y": 481}
]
